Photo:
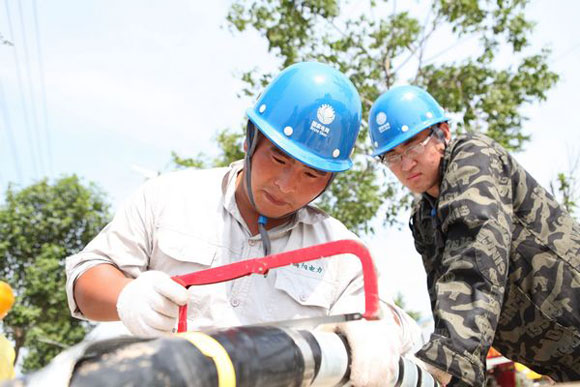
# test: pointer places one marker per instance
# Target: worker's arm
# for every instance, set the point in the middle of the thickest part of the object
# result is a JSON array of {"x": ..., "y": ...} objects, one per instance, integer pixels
[
  {"x": 120, "y": 251},
  {"x": 96, "y": 292},
  {"x": 467, "y": 272}
]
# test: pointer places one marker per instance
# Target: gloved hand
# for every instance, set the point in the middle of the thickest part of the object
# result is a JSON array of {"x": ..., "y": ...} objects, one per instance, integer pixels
[
  {"x": 149, "y": 305},
  {"x": 375, "y": 347}
]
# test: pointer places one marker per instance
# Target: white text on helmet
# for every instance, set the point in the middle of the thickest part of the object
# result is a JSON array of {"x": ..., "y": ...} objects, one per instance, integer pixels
[
  {"x": 384, "y": 127},
  {"x": 319, "y": 128}
]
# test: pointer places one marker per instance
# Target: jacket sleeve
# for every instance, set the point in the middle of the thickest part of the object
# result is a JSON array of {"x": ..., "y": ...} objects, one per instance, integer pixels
[
  {"x": 124, "y": 243},
  {"x": 475, "y": 218}
]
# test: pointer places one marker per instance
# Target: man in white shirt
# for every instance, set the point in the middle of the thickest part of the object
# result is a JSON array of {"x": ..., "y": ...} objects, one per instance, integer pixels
[{"x": 307, "y": 122}]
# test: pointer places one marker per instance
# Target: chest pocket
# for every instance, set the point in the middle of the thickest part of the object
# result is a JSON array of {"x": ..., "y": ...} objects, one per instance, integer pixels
[
  {"x": 180, "y": 253},
  {"x": 305, "y": 290}
]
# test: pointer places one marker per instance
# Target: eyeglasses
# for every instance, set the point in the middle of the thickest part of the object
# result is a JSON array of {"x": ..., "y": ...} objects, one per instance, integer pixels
[{"x": 392, "y": 159}]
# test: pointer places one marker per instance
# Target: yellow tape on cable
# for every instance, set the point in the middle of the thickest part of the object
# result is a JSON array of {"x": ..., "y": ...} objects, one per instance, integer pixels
[{"x": 210, "y": 347}]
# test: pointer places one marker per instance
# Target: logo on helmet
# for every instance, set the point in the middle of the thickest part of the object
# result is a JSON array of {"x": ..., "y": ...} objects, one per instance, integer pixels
[
  {"x": 381, "y": 120},
  {"x": 325, "y": 114}
]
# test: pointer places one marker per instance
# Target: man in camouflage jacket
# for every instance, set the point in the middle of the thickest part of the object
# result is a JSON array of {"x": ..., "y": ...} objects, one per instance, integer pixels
[{"x": 502, "y": 256}]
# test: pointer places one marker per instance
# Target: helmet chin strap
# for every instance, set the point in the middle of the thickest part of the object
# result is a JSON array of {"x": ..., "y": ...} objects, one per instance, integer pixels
[
  {"x": 440, "y": 135},
  {"x": 252, "y": 141}
]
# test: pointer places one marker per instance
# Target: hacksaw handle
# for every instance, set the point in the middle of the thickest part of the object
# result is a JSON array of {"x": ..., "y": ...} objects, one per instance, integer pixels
[
  {"x": 182, "y": 317},
  {"x": 182, "y": 323}
]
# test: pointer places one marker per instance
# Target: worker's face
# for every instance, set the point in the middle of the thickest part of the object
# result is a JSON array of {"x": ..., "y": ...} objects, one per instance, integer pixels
[
  {"x": 420, "y": 173},
  {"x": 281, "y": 184}
]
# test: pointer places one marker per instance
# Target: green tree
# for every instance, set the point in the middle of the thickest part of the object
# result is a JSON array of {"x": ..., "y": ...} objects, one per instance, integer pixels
[
  {"x": 565, "y": 187},
  {"x": 229, "y": 142},
  {"x": 40, "y": 226},
  {"x": 380, "y": 46}
]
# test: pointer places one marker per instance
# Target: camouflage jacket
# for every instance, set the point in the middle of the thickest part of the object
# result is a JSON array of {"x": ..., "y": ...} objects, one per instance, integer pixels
[{"x": 503, "y": 267}]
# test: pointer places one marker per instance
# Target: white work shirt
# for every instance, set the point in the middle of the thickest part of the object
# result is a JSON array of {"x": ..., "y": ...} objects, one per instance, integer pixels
[{"x": 188, "y": 221}]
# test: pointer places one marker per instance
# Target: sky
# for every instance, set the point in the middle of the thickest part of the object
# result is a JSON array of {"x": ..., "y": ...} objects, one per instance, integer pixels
[{"x": 107, "y": 90}]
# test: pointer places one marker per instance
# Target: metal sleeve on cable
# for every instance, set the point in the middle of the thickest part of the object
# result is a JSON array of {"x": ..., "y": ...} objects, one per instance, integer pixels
[
  {"x": 410, "y": 374},
  {"x": 211, "y": 348},
  {"x": 334, "y": 359},
  {"x": 307, "y": 354}
]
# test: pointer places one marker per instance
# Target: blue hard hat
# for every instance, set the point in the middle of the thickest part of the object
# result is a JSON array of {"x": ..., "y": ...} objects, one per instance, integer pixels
[
  {"x": 312, "y": 112},
  {"x": 401, "y": 113}
]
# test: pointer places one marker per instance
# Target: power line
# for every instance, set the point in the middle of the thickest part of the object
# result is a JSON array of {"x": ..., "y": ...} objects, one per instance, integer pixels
[
  {"x": 11, "y": 142},
  {"x": 43, "y": 90},
  {"x": 21, "y": 88},
  {"x": 31, "y": 92},
  {"x": 448, "y": 48},
  {"x": 5, "y": 41},
  {"x": 567, "y": 52}
]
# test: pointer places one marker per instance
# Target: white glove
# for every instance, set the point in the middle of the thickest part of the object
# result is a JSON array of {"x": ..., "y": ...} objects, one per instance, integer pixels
[
  {"x": 375, "y": 348},
  {"x": 149, "y": 305}
]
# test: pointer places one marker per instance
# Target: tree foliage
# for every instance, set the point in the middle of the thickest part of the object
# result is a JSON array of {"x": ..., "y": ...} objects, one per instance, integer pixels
[
  {"x": 381, "y": 46},
  {"x": 230, "y": 144},
  {"x": 565, "y": 187},
  {"x": 40, "y": 226}
]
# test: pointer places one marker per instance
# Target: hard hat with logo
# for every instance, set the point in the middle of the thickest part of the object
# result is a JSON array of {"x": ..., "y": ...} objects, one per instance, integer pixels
[
  {"x": 399, "y": 114},
  {"x": 312, "y": 112}
]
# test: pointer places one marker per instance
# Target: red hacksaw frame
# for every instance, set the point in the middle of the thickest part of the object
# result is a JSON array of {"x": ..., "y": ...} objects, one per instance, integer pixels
[{"x": 262, "y": 265}]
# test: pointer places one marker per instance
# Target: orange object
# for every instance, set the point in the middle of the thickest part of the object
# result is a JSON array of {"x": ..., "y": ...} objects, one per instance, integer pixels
[
  {"x": 6, "y": 298},
  {"x": 493, "y": 353}
]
